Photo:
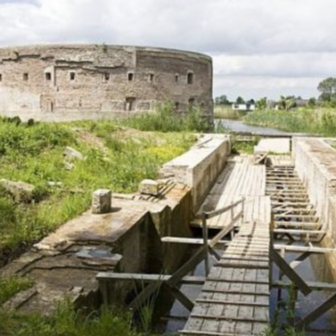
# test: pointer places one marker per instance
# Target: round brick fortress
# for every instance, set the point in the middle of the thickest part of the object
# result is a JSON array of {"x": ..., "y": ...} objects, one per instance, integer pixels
[{"x": 71, "y": 82}]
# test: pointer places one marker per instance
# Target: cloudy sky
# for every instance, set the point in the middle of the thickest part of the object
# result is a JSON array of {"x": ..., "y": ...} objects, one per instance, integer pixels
[{"x": 259, "y": 47}]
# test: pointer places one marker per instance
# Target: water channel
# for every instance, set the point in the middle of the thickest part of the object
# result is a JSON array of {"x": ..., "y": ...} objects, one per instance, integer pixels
[{"x": 239, "y": 126}]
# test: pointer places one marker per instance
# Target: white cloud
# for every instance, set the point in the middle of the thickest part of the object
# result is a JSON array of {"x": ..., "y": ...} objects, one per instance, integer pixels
[{"x": 286, "y": 40}]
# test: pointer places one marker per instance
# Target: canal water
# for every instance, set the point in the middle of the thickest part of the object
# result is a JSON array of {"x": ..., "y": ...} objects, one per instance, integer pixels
[{"x": 239, "y": 126}]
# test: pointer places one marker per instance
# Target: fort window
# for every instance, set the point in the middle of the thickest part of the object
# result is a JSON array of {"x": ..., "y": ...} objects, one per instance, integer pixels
[
  {"x": 176, "y": 78},
  {"x": 191, "y": 102},
  {"x": 48, "y": 76},
  {"x": 130, "y": 76},
  {"x": 177, "y": 106},
  {"x": 151, "y": 77},
  {"x": 25, "y": 77},
  {"x": 72, "y": 76},
  {"x": 190, "y": 78},
  {"x": 130, "y": 102},
  {"x": 107, "y": 76},
  {"x": 0, "y": 77}
]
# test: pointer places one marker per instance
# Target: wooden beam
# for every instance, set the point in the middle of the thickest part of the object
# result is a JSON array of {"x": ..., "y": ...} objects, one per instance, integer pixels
[
  {"x": 300, "y": 232},
  {"x": 186, "y": 302},
  {"x": 191, "y": 241},
  {"x": 315, "y": 314},
  {"x": 317, "y": 286},
  {"x": 289, "y": 272},
  {"x": 300, "y": 249},
  {"x": 114, "y": 276}
]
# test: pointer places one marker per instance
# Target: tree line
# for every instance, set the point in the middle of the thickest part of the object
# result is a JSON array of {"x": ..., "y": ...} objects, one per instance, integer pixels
[{"x": 327, "y": 98}]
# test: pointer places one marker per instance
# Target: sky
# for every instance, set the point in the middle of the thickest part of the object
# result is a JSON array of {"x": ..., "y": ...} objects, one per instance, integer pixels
[{"x": 260, "y": 48}]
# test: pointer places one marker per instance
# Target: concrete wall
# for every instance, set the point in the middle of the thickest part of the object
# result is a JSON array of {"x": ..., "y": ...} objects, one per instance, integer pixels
[
  {"x": 200, "y": 166},
  {"x": 315, "y": 162},
  {"x": 71, "y": 82}
]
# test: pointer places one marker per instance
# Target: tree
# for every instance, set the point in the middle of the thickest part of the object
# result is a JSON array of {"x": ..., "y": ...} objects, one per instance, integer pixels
[
  {"x": 222, "y": 100},
  {"x": 286, "y": 103},
  {"x": 240, "y": 100},
  {"x": 312, "y": 102},
  {"x": 261, "y": 104},
  {"x": 328, "y": 89}
]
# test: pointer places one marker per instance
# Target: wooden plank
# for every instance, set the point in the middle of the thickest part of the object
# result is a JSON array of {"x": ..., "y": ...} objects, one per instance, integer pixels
[
  {"x": 233, "y": 303},
  {"x": 114, "y": 276},
  {"x": 231, "y": 318},
  {"x": 192, "y": 241},
  {"x": 300, "y": 249}
]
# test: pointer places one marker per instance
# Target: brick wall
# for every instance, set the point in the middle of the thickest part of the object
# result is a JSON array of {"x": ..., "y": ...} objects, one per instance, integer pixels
[{"x": 72, "y": 82}]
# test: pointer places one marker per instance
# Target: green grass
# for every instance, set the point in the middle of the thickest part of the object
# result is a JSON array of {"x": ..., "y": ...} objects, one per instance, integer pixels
[
  {"x": 67, "y": 321},
  {"x": 320, "y": 121},
  {"x": 226, "y": 112},
  {"x": 164, "y": 119},
  {"x": 117, "y": 158},
  {"x": 11, "y": 285}
]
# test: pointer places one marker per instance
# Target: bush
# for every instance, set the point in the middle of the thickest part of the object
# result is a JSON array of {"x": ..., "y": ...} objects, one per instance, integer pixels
[{"x": 165, "y": 119}]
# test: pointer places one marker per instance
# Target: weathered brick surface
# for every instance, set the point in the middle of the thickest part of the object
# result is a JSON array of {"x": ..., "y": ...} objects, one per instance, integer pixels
[{"x": 36, "y": 81}]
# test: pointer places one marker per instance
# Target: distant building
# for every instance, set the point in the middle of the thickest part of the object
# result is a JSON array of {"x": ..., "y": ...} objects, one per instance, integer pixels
[{"x": 244, "y": 107}]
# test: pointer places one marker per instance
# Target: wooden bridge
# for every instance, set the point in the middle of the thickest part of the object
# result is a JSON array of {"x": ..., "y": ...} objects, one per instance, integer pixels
[{"x": 251, "y": 204}]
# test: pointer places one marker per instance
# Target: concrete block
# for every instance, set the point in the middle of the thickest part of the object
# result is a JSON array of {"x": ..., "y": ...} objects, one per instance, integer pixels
[
  {"x": 149, "y": 187},
  {"x": 101, "y": 201}
]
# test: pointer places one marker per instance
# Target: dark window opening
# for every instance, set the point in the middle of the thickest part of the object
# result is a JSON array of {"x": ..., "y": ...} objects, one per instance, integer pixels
[
  {"x": 72, "y": 76},
  {"x": 107, "y": 76},
  {"x": 176, "y": 78},
  {"x": 0, "y": 77},
  {"x": 130, "y": 104},
  {"x": 25, "y": 76},
  {"x": 151, "y": 77},
  {"x": 190, "y": 78},
  {"x": 177, "y": 106},
  {"x": 48, "y": 76},
  {"x": 130, "y": 76},
  {"x": 191, "y": 102}
]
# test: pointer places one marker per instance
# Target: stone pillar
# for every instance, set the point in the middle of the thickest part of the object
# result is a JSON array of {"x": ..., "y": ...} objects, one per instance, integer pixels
[{"x": 101, "y": 201}]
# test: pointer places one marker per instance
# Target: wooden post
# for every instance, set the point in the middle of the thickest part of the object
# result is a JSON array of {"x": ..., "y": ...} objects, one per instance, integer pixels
[{"x": 205, "y": 241}]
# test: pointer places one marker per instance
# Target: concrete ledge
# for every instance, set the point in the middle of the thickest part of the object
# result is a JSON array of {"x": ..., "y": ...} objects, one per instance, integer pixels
[
  {"x": 199, "y": 167},
  {"x": 315, "y": 162}
]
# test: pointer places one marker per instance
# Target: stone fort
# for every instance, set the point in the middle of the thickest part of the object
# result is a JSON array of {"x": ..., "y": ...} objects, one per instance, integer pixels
[{"x": 72, "y": 82}]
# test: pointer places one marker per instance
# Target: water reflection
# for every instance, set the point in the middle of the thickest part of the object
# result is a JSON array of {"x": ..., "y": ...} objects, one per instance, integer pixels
[{"x": 239, "y": 126}]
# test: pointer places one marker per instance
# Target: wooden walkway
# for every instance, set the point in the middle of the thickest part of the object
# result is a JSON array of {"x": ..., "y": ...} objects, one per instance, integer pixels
[
  {"x": 240, "y": 178},
  {"x": 235, "y": 297}
]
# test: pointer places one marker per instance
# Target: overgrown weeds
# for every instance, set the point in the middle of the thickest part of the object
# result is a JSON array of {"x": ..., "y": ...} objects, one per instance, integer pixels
[
  {"x": 313, "y": 121},
  {"x": 165, "y": 119},
  {"x": 117, "y": 158},
  {"x": 226, "y": 112}
]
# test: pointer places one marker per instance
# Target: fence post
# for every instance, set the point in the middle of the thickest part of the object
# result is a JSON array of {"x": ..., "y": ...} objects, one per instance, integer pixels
[{"x": 205, "y": 241}]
